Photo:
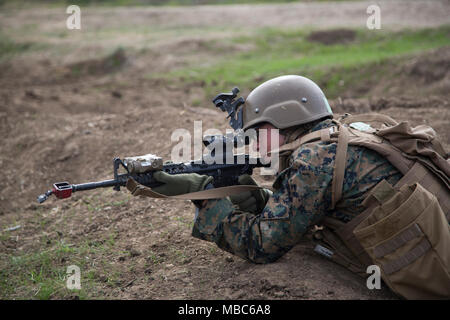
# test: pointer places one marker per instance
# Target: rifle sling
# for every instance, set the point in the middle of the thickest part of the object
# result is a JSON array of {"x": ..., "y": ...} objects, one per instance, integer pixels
[{"x": 137, "y": 189}]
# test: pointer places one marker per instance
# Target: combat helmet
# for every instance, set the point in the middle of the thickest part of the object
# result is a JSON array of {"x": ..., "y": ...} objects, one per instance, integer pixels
[{"x": 285, "y": 102}]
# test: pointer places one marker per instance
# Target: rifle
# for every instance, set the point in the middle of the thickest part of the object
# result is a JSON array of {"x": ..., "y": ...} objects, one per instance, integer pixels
[{"x": 141, "y": 168}]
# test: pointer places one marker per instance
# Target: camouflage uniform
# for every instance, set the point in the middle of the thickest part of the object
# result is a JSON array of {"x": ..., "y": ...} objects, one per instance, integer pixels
[{"x": 302, "y": 197}]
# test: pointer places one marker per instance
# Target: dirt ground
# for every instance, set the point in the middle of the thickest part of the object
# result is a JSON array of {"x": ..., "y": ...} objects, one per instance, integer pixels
[{"x": 57, "y": 126}]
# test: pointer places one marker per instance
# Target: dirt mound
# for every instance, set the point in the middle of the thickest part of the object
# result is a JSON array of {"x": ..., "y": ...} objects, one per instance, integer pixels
[
  {"x": 330, "y": 37},
  {"x": 430, "y": 68},
  {"x": 417, "y": 77},
  {"x": 96, "y": 67},
  {"x": 381, "y": 104}
]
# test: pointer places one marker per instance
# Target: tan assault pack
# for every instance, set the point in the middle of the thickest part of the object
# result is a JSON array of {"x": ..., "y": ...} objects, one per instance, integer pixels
[{"x": 405, "y": 229}]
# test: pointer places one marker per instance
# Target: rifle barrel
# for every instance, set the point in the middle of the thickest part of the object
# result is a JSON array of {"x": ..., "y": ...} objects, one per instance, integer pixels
[{"x": 95, "y": 185}]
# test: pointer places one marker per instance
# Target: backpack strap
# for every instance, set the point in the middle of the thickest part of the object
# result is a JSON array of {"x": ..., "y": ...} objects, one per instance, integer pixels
[
  {"x": 325, "y": 134},
  {"x": 339, "y": 166},
  {"x": 328, "y": 135}
]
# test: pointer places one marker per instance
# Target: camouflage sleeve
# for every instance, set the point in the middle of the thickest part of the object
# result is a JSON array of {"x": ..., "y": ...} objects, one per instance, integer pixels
[{"x": 300, "y": 200}]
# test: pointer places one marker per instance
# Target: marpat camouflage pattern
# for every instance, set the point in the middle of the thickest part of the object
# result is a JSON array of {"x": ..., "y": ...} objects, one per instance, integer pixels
[{"x": 301, "y": 198}]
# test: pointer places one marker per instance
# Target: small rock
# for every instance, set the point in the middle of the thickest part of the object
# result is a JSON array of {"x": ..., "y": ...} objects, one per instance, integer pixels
[
  {"x": 229, "y": 259},
  {"x": 279, "y": 294},
  {"x": 116, "y": 94},
  {"x": 31, "y": 94},
  {"x": 134, "y": 253}
]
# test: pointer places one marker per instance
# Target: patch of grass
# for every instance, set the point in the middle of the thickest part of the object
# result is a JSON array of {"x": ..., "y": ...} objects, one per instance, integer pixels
[
  {"x": 119, "y": 203},
  {"x": 5, "y": 235},
  {"x": 34, "y": 275},
  {"x": 183, "y": 222},
  {"x": 154, "y": 258},
  {"x": 43, "y": 274},
  {"x": 10, "y": 48},
  {"x": 277, "y": 52},
  {"x": 111, "y": 241}
]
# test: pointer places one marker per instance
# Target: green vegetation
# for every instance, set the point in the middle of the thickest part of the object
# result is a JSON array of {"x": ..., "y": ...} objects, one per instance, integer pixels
[
  {"x": 42, "y": 274},
  {"x": 38, "y": 275},
  {"x": 40, "y": 271},
  {"x": 277, "y": 52},
  {"x": 9, "y": 47}
]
